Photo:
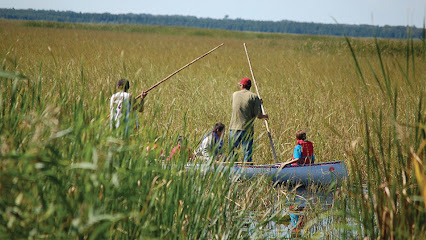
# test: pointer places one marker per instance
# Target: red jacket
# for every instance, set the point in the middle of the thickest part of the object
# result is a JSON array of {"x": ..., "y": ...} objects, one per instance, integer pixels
[{"x": 307, "y": 152}]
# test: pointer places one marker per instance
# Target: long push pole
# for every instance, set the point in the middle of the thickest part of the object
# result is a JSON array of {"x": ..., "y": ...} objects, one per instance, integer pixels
[
  {"x": 261, "y": 105},
  {"x": 180, "y": 69}
]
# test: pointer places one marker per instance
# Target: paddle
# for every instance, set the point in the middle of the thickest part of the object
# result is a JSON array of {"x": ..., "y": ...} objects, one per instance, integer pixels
[
  {"x": 180, "y": 69},
  {"x": 261, "y": 105}
]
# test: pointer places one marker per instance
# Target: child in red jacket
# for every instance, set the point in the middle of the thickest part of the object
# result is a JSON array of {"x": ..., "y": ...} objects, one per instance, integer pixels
[{"x": 303, "y": 151}]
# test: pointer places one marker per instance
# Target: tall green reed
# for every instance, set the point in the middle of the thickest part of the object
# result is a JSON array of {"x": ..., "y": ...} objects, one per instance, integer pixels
[
  {"x": 59, "y": 159},
  {"x": 383, "y": 197},
  {"x": 65, "y": 174}
]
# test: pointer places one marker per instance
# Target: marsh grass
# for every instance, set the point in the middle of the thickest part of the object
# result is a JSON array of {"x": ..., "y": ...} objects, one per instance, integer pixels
[
  {"x": 65, "y": 174},
  {"x": 87, "y": 182},
  {"x": 388, "y": 201}
]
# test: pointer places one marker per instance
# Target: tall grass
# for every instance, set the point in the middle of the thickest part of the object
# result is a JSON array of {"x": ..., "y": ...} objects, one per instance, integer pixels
[
  {"x": 73, "y": 178},
  {"x": 65, "y": 174},
  {"x": 385, "y": 196}
]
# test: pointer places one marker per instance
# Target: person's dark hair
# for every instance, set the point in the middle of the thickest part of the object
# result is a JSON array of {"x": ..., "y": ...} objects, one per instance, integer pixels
[
  {"x": 301, "y": 135},
  {"x": 247, "y": 87},
  {"x": 125, "y": 83},
  {"x": 218, "y": 127}
]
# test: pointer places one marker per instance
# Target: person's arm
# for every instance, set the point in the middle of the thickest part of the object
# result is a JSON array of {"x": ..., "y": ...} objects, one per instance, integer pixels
[
  {"x": 282, "y": 165},
  {"x": 258, "y": 107},
  {"x": 297, "y": 154},
  {"x": 205, "y": 150},
  {"x": 139, "y": 107}
]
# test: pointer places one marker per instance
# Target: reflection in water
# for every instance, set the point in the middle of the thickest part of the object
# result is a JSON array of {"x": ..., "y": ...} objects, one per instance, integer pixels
[{"x": 301, "y": 210}]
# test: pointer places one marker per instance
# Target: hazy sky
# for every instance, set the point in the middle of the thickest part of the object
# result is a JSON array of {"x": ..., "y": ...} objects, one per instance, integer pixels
[{"x": 375, "y": 12}]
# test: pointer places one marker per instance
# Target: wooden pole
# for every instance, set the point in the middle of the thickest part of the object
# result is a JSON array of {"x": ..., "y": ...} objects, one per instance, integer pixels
[
  {"x": 261, "y": 105},
  {"x": 180, "y": 69}
]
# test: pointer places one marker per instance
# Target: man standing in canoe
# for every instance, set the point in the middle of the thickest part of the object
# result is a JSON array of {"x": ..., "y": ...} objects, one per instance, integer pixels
[
  {"x": 246, "y": 107},
  {"x": 123, "y": 105}
]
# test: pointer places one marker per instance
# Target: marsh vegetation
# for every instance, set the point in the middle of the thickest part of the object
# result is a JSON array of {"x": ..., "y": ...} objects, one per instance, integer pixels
[{"x": 65, "y": 174}]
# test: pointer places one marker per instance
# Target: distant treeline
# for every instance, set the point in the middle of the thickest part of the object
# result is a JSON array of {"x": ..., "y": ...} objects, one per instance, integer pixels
[{"x": 283, "y": 26}]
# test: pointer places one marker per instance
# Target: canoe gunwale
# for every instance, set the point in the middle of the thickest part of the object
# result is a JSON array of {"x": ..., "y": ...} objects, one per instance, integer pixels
[{"x": 286, "y": 167}]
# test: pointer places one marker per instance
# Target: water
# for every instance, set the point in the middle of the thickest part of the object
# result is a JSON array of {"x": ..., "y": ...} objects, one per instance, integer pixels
[{"x": 306, "y": 203}]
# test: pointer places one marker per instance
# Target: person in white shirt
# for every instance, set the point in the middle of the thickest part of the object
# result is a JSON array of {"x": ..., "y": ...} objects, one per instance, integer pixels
[
  {"x": 123, "y": 104},
  {"x": 211, "y": 145}
]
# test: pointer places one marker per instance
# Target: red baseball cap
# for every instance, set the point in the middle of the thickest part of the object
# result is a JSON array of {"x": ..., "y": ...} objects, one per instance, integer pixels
[{"x": 245, "y": 82}]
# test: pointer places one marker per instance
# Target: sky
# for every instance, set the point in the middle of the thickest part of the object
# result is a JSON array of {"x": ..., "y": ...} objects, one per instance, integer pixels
[{"x": 372, "y": 12}]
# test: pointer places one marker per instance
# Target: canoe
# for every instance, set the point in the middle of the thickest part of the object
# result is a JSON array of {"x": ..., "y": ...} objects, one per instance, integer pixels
[{"x": 318, "y": 173}]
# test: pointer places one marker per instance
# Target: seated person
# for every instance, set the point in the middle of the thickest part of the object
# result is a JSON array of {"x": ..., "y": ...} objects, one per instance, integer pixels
[
  {"x": 212, "y": 143},
  {"x": 176, "y": 149},
  {"x": 303, "y": 152}
]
